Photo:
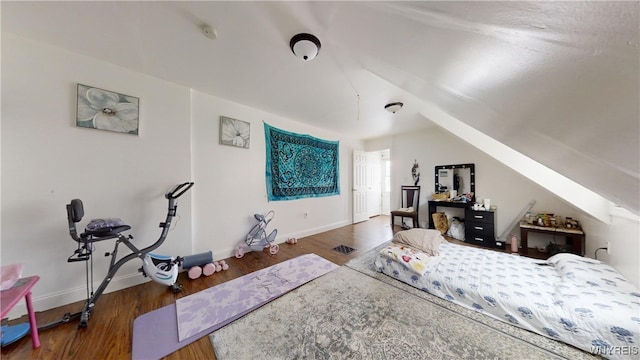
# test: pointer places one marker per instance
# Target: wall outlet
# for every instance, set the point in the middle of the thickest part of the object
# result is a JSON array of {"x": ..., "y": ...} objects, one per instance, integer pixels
[{"x": 608, "y": 247}]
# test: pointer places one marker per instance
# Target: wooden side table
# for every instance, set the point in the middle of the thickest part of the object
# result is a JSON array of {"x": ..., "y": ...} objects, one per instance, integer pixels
[
  {"x": 575, "y": 237},
  {"x": 10, "y": 297}
]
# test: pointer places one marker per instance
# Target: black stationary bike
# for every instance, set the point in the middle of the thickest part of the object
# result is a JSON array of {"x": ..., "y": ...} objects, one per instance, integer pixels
[{"x": 160, "y": 268}]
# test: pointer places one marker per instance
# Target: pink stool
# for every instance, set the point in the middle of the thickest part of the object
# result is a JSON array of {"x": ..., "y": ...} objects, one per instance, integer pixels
[{"x": 10, "y": 297}]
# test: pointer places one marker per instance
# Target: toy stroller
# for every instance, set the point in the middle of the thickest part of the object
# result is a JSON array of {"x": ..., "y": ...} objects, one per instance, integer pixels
[{"x": 257, "y": 239}]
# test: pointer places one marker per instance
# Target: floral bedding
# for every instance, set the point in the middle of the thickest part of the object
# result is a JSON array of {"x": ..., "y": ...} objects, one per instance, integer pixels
[
  {"x": 579, "y": 301},
  {"x": 411, "y": 259}
]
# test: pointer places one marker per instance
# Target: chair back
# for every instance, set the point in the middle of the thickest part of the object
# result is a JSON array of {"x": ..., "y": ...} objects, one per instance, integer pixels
[
  {"x": 411, "y": 196},
  {"x": 75, "y": 212}
]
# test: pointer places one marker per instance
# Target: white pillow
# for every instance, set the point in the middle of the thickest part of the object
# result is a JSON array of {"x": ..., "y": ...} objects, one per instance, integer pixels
[
  {"x": 426, "y": 240},
  {"x": 589, "y": 272}
]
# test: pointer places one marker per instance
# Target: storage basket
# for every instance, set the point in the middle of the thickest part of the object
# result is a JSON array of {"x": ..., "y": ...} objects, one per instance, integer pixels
[{"x": 440, "y": 196}]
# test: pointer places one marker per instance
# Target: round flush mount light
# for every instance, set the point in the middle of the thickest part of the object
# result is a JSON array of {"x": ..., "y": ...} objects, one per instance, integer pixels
[
  {"x": 393, "y": 107},
  {"x": 305, "y": 46}
]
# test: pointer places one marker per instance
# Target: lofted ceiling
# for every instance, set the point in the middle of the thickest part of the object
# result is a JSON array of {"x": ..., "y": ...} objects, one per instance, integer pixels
[{"x": 556, "y": 81}]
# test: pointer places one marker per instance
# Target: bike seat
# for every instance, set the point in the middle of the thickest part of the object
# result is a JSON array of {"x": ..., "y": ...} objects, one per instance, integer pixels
[
  {"x": 104, "y": 233},
  {"x": 104, "y": 229}
]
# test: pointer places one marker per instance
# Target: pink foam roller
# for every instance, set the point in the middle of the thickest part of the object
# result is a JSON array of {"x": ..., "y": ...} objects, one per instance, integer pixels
[
  {"x": 208, "y": 269},
  {"x": 195, "y": 272}
]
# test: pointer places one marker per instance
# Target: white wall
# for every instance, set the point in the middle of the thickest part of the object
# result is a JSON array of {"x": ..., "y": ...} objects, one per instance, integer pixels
[
  {"x": 507, "y": 189},
  {"x": 47, "y": 161},
  {"x": 231, "y": 185},
  {"x": 623, "y": 235}
]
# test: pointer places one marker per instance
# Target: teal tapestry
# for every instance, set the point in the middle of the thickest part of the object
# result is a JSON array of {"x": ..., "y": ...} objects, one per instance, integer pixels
[{"x": 300, "y": 166}]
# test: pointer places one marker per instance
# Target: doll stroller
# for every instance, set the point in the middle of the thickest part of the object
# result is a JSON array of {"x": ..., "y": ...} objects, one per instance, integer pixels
[{"x": 257, "y": 239}]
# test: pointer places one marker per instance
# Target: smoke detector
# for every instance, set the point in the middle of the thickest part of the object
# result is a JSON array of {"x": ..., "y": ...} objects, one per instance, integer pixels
[{"x": 209, "y": 32}]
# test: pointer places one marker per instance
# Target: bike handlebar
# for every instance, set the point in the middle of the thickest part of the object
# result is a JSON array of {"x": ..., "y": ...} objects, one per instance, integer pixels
[{"x": 178, "y": 190}]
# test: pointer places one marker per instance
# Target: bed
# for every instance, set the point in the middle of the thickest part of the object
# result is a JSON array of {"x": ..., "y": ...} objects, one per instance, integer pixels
[{"x": 580, "y": 301}]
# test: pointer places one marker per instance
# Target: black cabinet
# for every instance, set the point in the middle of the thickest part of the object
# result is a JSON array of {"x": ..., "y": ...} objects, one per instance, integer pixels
[{"x": 480, "y": 228}]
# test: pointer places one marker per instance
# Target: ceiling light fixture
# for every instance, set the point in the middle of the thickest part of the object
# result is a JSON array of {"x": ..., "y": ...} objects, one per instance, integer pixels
[
  {"x": 305, "y": 46},
  {"x": 393, "y": 107}
]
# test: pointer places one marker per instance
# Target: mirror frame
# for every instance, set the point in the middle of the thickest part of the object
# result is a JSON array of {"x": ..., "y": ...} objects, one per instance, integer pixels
[{"x": 472, "y": 176}]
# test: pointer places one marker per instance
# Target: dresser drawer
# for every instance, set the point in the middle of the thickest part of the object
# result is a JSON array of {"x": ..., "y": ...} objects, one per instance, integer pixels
[
  {"x": 479, "y": 228},
  {"x": 473, "y": 217},
  {"x": 485, "y": 235}
]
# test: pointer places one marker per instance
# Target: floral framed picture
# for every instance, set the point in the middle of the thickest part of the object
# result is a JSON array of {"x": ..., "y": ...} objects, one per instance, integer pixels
[
  {"x": 235, "y": 132},
  {"x": 107, "y": 110}
]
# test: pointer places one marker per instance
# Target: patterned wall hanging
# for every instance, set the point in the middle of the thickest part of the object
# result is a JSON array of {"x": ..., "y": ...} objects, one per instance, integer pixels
[{"x": 300, "y": 166}]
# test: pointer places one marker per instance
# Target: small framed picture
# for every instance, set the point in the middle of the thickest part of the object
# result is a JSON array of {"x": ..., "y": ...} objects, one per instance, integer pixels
[
  {"x": 235, "y": 132},
  {"x": 107, "y": 110}
]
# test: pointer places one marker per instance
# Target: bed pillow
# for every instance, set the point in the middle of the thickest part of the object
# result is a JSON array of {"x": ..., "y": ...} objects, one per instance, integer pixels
[
  {"x": 425, "y": 240},
  {"x": 589, "y": 272},
  {"x": 415, "y": 261}
]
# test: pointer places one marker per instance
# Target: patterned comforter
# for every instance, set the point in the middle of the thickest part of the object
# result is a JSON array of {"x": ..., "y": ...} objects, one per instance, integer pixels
[{"x": 580, "y": 301}]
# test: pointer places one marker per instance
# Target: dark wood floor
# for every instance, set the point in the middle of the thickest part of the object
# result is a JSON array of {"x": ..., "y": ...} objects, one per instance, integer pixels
[{"x": 109, "y": 334}]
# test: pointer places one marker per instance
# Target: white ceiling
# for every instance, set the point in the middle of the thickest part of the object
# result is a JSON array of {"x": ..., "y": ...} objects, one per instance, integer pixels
[{"x": 556, "y": 81}]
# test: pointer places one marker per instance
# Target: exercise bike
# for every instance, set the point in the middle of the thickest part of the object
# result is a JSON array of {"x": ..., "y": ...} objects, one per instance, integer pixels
[{"x": 160, "y": 268}]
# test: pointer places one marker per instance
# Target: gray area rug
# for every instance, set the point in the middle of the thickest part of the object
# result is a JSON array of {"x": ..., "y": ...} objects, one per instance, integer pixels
[{"x": 346, "y": 314}]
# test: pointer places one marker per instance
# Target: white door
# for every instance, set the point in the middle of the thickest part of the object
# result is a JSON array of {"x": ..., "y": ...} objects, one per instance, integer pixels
[
  {"x": 374, "y": 184},
  {"x": 386, "y": 182},
  {"x": 360, "y": 208}
]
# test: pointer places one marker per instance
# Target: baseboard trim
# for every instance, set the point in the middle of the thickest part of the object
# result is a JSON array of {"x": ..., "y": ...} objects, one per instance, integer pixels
[
  {"x": 314, "y": 231},
  {"x": 230, "y": 252},
  {"x": 69, "y": 296}
]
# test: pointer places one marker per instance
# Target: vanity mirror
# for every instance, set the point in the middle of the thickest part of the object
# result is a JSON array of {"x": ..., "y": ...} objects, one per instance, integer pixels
[{"x": 460, "y": 177}]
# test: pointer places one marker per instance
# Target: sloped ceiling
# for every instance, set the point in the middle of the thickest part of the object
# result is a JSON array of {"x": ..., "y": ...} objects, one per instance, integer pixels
[{"x": 556, "y": 81}]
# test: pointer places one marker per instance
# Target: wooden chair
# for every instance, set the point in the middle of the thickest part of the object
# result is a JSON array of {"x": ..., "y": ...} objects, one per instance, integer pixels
[{"x": 410, "y": 205}]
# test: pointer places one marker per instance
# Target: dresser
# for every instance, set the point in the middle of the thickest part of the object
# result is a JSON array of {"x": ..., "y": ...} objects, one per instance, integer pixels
[{"x": 480, "y": 228}]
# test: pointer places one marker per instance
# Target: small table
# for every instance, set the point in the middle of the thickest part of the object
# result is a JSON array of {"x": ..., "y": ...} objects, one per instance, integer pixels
[
  {"x": 575, "y": 237},
  {"x": 10, "y": 297}
]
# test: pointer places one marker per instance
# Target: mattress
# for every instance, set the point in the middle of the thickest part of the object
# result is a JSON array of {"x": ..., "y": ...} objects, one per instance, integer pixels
[{"x": 580, "y": 301}]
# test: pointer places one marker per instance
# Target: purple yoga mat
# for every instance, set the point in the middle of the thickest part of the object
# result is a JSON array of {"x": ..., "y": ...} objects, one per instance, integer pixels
[{"x": 155, "y": 334}]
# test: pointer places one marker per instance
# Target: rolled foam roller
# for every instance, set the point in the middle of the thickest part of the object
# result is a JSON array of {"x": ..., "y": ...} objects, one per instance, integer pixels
[
  {"x": 197, "y": 260},
  {"x": 208, "y": 269}
]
